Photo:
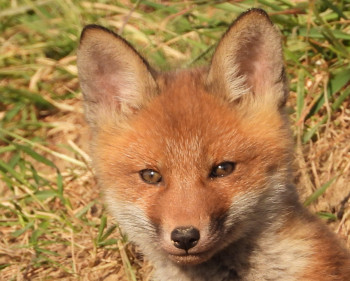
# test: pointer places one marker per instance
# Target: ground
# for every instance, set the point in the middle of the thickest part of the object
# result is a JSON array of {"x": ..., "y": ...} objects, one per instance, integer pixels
[{"x": 53, "y": 223}]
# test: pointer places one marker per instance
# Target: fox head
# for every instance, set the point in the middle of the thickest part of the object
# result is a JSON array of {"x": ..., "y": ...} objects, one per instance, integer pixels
[{"x": 190, "y": 160}]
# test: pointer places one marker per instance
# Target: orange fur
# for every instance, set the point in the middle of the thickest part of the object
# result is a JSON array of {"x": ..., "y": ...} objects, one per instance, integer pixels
[{"x": 247, "y": 225}]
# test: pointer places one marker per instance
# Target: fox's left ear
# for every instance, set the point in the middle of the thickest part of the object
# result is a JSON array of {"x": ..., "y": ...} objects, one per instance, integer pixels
[{"x": 248, "y": 62}]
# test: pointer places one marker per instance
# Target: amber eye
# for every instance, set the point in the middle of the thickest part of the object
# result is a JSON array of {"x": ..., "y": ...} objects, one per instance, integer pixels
[
  {"x": 222, "y": 170},
  {"x": 150, "y": 176}
]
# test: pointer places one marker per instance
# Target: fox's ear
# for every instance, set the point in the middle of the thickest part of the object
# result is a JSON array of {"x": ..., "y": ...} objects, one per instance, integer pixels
[
  {"x": 248, "y": 61},
  {"x": 113, "y": 76}
]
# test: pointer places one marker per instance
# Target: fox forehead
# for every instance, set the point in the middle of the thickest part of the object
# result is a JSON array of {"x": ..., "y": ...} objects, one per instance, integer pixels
[
  {"x": 180, "y": 119},
  {"x": 185, "y": 125}
]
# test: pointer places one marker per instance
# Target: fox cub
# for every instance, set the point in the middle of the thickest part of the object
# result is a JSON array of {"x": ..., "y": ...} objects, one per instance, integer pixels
[{"x": 196, "y": 164}]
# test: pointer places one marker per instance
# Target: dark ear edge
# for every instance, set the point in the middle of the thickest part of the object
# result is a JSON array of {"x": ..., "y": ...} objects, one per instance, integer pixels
[
  {"x": 246, "y": 13},
  {"x": 89, "y": 27},
  {"x": 284, "y": 80}
]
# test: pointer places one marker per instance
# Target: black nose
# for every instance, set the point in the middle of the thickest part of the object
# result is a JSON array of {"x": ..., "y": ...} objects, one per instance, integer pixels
[{"x": 185, "y": 237}]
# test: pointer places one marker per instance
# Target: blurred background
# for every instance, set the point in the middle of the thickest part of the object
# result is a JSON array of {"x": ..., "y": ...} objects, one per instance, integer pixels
[{"x": 53, "y": 224}]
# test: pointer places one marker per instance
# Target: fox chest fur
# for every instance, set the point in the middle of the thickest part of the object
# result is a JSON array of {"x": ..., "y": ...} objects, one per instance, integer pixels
[{"x": 196, "y": 164}]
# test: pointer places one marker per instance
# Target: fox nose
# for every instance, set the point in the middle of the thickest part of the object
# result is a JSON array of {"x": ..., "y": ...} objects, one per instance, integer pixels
[{"x": 185, "y": 237}]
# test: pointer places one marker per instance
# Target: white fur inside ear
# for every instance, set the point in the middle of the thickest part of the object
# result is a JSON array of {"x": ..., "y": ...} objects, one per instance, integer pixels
[
  {"x": 248, "y": 60},
  {"x": 236, "y": 83}
]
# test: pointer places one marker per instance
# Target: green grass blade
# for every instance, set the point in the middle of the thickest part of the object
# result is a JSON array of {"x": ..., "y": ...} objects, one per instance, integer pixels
[{"x": 313, "y": 197}]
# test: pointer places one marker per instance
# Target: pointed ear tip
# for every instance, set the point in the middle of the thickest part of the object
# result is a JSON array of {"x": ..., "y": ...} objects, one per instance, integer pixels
[
  {"x": 255, "y": 12},
  {"x": 94, "y": 28},
  {"x": 258, "y": 11}
]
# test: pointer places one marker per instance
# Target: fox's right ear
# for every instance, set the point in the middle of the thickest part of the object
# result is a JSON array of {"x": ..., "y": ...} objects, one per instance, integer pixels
[{"x": 114, "y": 78}]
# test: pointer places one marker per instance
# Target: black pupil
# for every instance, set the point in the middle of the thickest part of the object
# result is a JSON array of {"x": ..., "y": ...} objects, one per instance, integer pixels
[{"x": 222, "y": 170}]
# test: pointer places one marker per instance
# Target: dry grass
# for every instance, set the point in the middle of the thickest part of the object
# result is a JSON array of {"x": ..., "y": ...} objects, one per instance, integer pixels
[{"x": 53, "y": 225}]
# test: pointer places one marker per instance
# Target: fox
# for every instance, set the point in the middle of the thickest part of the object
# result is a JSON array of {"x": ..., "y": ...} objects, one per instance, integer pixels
[{"x": 196, "y": 164}]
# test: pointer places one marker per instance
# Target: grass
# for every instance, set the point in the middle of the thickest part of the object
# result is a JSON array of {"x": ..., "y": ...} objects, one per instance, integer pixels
[{"x": 52, "y": 223}]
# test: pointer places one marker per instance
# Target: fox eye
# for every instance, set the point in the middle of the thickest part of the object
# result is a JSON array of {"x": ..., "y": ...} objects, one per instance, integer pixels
[
  {"x": 222, "y": 170},
  {"x": 150, "y": 176}
]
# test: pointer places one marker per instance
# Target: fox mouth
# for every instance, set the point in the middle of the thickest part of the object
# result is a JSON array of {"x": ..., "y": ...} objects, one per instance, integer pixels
[{"x": 190, "y": 258}]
